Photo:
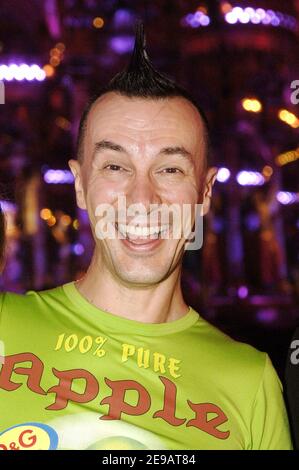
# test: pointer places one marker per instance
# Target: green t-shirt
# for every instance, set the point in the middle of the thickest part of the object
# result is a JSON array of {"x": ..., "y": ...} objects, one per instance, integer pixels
[{"x": 76, "y": 377}]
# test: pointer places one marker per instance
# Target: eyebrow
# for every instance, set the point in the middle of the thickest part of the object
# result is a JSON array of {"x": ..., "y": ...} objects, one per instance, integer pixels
[
  {"x": 108, "y": 145},
  {"x": 176, "y": 150}
]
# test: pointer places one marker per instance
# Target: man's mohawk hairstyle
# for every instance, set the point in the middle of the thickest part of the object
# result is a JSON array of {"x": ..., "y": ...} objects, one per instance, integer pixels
[{"x": 140, "y": 79}]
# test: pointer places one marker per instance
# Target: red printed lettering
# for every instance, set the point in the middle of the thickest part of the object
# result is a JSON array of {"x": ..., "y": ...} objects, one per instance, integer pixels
[
  {"x": 34, "y": 372},
  {"x": 201, "y": 419},
  {"x": 169, "y": 405},
  {"x": 64, "y": 392},
  {"x": 116, "y": 401}
]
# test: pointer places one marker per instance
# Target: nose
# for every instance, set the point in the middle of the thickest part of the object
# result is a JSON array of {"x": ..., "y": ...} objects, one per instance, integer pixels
[{"x": 143, "y": 191}]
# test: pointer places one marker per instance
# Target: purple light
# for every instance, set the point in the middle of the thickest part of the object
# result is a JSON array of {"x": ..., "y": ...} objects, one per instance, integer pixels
[
  {"x": 52, "y": 17},
  {"x": 271, "y": 14},
  {"x": 223, "y": 175},
  {"x": 231, "y": 17},
  {"x": 217, "y": 224},
  {"x": 250, "y": 11},
  {"x": 259, "y": 15},
  {"x": 293, "y": 23},
  {"x": 78, "y": 249},
  {"x": 255, "y": 19},
  {"x": 58, "y": 177},
  {"x": 194, "y": 23},
  {"x": 122, "y": 44},
  {"x": 250, "y": 178},
  {"x": 266, "y": 19},
  {"x": 238, "y": 11},
  {"x": 122, "y": 17},
  {"x": 205, "y": 21},
  {"x": 196, "y": 19},
  {"x": 21, "y": 72},
  {"x": 280, "y": 16},
  {"x": 198, "y": 15},
  {"x": 242, "y": 292},
  {"x": 275, "y": 21},
  {"x": 267, "y": 315},
  {"x": 286, "y": 197},
  {"x": 252, "y": 222},
  {"x": 8, "y": 206},
  {"x": 244, "y": 18}
]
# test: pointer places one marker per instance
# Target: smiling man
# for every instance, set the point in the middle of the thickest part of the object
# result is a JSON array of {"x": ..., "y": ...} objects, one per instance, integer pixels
[
  {"x": 142, "y": 149},
  {"x": 117, "y": 359}
]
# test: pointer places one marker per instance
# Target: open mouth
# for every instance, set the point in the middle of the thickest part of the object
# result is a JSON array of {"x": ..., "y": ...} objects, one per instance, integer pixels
[{"x": 142, "y": 236}]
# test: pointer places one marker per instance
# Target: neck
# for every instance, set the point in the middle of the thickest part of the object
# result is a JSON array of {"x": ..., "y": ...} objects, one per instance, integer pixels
[{"x": 158, "y": 303}]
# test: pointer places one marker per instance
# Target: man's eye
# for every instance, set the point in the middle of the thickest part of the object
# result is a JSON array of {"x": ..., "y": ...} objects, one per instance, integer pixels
[
  {"x": 113, "y": 167},
  {"x": 171, "y": 170}
]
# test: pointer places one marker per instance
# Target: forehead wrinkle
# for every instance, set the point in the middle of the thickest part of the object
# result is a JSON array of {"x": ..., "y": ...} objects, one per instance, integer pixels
[
  {"x": 163, "y": 104},
  {"x": 144, "y": 128},
  {"x": 149, "y": 123}
]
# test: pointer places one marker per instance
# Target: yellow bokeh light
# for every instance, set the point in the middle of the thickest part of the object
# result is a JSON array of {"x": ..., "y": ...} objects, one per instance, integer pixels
[
  {"x": 51, "y": 221},
  {"x": 289, "y": 118},
  {"x": 63, "y": 123},
  {"x": 267, "y": 171},
  {"x": 54, "y": 61},
  {"x": 66, "y": 220},
  {"x": 60, "y": 46},
  {"x": 252, "y": 105},
  {"x": 202, "y": 8},
  {"x": 98, "y": 22},
  {"x": 226, "y": 7},
  {"x": 49, "y": 70},
  {"x": 287, "y": 157},
  {"x": 76, "y": 224},
  {"x": 45, "y": 213},
  {"x": 55, "y": 52},
  {"x": 283, "y": 114}
]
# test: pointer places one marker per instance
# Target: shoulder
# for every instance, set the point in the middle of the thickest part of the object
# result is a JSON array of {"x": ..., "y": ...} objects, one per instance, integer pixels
[
  {"x": 230, "y": 354},
  {"x": 30, "y": 301}
]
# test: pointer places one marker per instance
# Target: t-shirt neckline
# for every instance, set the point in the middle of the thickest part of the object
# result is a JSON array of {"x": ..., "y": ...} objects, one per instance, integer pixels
[{"x": 125, "y": 325}]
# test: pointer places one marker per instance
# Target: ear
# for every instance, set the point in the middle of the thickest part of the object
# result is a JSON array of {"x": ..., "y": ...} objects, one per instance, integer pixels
[
  {"x": 206, "y": 194},
  {"x": 76, "y": 170}
]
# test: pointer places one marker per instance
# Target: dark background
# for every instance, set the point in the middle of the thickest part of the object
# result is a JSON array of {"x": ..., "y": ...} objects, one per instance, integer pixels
[{"x": 245, "y": 279}]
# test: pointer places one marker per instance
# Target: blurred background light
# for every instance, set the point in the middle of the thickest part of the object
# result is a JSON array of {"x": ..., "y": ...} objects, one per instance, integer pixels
[
  {"x": 289, "y": 118},
  {"x": 252, "y": 105},
  {"x": 286, "y": 197},
  {"x": 21, "y": 72},
  {"x": 58, "y": 177},
  {"x": 259, "y": 16},
  {"x": 250, "y": 178},
  {"x": 223, "y": 175}
]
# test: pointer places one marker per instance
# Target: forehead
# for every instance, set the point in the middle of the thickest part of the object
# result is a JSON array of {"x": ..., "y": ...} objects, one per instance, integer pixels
[{"x": 144, "y": 119}]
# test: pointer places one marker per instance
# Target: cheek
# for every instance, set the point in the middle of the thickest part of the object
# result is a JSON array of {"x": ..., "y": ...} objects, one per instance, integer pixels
[
  {"x": 184, "y": 194},
  {"x": 99, "y": 195},
  {"x": 184, "y": 199},
  {"x": 100, "y": 192}
]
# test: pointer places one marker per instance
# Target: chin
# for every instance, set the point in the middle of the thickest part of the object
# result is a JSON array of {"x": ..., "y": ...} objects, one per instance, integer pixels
[{"x": 141, "y": 276}]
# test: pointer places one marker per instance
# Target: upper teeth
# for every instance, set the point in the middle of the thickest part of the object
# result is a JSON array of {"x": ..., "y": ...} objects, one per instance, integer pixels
[{"x": 140, "y": 231}]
